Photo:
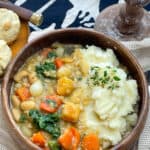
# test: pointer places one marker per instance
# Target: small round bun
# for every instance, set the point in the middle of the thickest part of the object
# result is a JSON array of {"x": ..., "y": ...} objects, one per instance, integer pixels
[
  {"x": 9, "y": 25},
  {"x": 5, "y": 56}
]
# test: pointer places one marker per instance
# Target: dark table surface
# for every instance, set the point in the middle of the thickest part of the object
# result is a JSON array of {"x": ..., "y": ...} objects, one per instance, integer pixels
[{"x": 68, "y": 13}]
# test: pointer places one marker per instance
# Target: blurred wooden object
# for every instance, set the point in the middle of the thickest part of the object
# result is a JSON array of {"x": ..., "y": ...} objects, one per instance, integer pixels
[
  {"x": 125, "y": 22},
  {"x": 17, "y": 45}
]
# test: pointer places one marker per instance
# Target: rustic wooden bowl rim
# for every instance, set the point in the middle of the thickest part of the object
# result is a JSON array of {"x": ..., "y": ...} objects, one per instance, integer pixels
[{"x": 142, "y": 117}]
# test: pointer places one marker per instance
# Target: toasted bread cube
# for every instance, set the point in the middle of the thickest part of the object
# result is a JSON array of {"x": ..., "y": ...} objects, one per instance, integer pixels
[{"x": 70, "y": 112}]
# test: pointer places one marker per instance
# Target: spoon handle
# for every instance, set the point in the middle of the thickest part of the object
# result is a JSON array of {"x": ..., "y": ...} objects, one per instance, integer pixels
[{"x": 23, "y": 13}]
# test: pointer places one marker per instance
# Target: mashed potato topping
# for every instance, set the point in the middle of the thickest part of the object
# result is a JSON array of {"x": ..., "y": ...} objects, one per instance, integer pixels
[
  {"x": 113, "y": 101},
  {"x": 98, "y": 57}
]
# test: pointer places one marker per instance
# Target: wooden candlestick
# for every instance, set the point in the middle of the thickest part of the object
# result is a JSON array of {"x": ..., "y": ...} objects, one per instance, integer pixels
[{"x": 129, "y": 21}]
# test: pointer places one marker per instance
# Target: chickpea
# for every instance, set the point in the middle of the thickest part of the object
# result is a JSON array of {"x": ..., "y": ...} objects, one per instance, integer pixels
[
  {"x": 26, "y": 131},
  {"x": 64, "y": 71},
  {"x": 16, "y": 114},
  {"x": 67, "y": 60},
  {"x": 15, "y": 101},
  {"x": 27, "y": 105},
  {"x": 18, "y": 77},
  {"x": 22, "y": 74},
  {"x": 32, "y": 77}
]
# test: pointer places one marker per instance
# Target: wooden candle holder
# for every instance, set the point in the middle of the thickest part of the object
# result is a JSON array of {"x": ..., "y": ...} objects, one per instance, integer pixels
[{"x": 126, "y": 22}]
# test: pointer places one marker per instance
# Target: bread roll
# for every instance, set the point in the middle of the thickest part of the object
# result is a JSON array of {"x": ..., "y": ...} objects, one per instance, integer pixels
[
  {"x": 5, "y": 56},
  {"x": 9, "y": 25}
]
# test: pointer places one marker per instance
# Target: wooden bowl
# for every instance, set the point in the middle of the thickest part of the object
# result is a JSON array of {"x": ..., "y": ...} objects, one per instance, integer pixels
[{"x": 83, "y": 37}]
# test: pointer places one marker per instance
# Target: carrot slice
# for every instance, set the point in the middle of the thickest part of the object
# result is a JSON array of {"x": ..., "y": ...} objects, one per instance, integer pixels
[
  {"x": 91, "y": 142},
  {"x": 76, "y": 138},
  {"x": 55, "y": 98},
  {"x": 23, "y": 93},
  {"x": 70, "y": 139},
  {"x": 58, "y": 63},
  {"x": 45, "y": 52},
  {"x": 45, "y": 106},
  {"x": 45, "y": 148},
  {"x": 39, "y": 139},
  {"x": 51, "y": 104}
]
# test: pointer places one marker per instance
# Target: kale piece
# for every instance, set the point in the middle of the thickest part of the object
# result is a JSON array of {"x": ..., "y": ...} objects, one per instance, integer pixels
[
  {"x": 52, "y": 54},
  {"x": 47, "y": 69},
  {"x": 46, "y": 122}
]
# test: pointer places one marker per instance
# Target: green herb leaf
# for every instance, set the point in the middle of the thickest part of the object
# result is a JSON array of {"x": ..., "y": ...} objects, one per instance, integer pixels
[
  {"x": 53, "y": 145},
  {"x": 116, "y": 78},
  {"x": 79, "y": 78},
  {"x": 104, "y": 78},
  {"x": 51, "y": 103},
  {"x": 46, "y": 122},
  {"x": 52, "y": 54},
  {"x": 105, "y": 73},
  {"x": 43, "y": 69},
  {"x": 23, "y": 118}
]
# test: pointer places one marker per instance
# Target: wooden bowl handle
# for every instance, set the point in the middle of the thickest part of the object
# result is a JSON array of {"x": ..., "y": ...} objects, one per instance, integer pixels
[{"x": 23, "y": 13}]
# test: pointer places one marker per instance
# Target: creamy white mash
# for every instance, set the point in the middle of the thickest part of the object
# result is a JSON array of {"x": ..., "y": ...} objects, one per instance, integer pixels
[{"x": 111, "y": 112}]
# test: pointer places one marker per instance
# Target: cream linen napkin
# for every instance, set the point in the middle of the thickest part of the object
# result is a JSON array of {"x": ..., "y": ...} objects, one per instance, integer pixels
[{"x": 141, "y": 50}]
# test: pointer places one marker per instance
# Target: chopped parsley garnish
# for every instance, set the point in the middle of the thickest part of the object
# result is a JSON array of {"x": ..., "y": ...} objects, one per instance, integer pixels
[
  {"x": 116, "y": 78},
  {"x": 79, "y": 78},
  {"x": 47, "y": 69},
  {"x": 46, "y": 122},
  {"x": 54, "y": 145},
  {"x": 52, "y": 103},
  {"x": 52, "y": 54},
  {"x": 23, "y": 118},
  {"x": 105, "y": 73},
  {"x": 104, "y": 77}
]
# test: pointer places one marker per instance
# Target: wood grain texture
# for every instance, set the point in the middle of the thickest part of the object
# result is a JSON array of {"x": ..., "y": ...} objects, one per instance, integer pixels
[{"x": 107, "y": 22}]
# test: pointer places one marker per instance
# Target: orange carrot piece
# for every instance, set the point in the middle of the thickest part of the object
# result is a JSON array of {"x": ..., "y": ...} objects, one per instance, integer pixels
[
  {"x": 45, "y": 52},
  {"x": 58, "y": 63},
  {"x": 23, "y": 93},
  {"x": 76, "y": 138},
  {"x": 65, "y": 140},
  {"x": 45, "y": 106},
  {"x": 55, "y": 98},
  {"x": 45, "y": 148},
  {"x": 39, "y": 139},
  {"x": 70, "y": 139},
  {"x": 91, "y": 142}
]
